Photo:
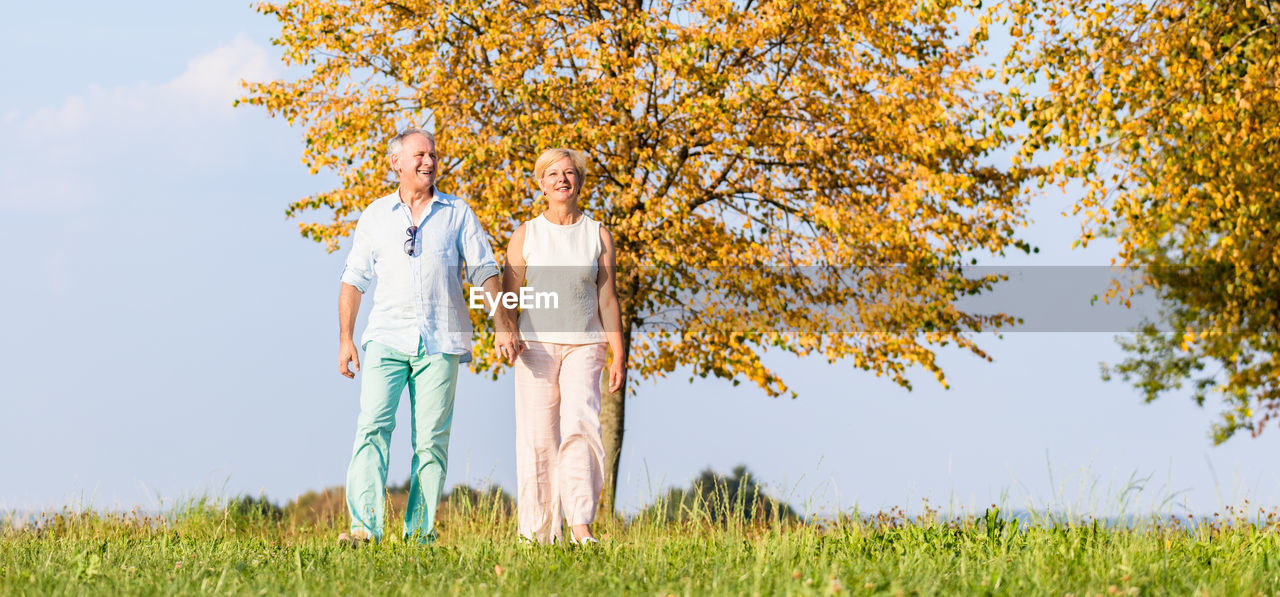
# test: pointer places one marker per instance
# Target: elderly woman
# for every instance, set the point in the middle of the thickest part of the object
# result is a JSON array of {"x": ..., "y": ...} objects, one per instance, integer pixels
[{"x": 559, "y": 454}]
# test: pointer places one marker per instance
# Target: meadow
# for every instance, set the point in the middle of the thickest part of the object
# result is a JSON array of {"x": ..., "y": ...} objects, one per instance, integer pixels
[{"x": 681, "y": 547}]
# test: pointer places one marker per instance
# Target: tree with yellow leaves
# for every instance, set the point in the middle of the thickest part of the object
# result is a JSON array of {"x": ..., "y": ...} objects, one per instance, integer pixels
[
  {"x": 1169, "y": 113},
  {"x": 807, "y": 177}
]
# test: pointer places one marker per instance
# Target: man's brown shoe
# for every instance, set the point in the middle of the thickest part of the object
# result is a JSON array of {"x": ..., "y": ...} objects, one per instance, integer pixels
[{"x": 353, "y": 540}]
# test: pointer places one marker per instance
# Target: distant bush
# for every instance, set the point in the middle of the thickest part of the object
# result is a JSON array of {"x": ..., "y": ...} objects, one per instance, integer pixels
[
  {"x": 720, "y": 498},
  {"x": 247, "y": 506},
  {"x": 328, "y": 507},
  {"x": 319, "y": 508},
  {"x": 464, "y": 498}
]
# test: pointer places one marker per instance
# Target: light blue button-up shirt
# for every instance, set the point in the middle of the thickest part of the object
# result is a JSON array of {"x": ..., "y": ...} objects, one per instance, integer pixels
[{"x": 419, "y": 296}]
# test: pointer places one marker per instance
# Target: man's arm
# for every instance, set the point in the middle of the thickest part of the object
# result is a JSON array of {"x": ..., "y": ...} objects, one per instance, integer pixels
[
  {"x": 348, "y": 307},
  {"x": 508, "y": 341},
  {"x": 482, "y": 268},
  {"x": 356, "y": 277}
]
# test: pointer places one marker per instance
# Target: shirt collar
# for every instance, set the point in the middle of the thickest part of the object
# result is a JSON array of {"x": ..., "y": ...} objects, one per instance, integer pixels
[{"x": 436, "y": 197}]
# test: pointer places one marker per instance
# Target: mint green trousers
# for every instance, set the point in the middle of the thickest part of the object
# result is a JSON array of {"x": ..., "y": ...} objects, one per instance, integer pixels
[{"x": 432, "y": 380}]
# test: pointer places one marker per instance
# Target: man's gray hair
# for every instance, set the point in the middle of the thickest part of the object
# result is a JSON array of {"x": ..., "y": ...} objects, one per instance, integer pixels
[{"x": 393, "y": 148}]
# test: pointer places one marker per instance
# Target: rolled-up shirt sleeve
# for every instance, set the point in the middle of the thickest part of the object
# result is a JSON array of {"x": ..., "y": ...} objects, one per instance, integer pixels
[
  {"x": 477, "y": 255},
  {"x": 359, "y": 268}
]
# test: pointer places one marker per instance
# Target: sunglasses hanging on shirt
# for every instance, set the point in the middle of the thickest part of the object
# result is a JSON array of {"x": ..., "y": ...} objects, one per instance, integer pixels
[{"x": 411, "y": 244}]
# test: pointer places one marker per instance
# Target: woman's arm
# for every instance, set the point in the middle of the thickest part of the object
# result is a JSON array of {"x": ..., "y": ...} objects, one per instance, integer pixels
[
  {"x": 610, "y": 314},
  {"x": 513, "y": 268},
  {"x": 513, "y": 273}
]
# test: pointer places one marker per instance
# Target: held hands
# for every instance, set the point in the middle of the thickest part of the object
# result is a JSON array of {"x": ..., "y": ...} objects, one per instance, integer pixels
[
  {"x": 508, "y": 345},
  {"x": 507, "y": 337},
  {"x": 347, "y": 354}
]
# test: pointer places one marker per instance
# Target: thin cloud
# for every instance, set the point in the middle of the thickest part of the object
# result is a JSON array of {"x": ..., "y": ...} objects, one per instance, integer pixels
[
  {"x": 214, "y": 78},
  {"x": 120, "y": 133}
]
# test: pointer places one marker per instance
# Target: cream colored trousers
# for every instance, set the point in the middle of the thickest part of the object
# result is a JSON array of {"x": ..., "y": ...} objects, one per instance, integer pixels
[{"x": 559, "y": 455}]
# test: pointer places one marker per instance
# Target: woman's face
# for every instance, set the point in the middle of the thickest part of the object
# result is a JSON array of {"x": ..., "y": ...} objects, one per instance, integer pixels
[{"x": 561, "y": 182}]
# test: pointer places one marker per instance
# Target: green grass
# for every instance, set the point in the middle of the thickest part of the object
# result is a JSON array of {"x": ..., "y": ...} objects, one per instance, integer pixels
[{"x": 207, "y": 550}]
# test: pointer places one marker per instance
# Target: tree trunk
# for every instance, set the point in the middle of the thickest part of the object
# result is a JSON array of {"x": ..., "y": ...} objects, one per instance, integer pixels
[{"x": 612, "y": 416}]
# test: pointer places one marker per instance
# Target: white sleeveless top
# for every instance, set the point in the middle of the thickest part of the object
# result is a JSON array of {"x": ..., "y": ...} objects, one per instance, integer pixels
[{"x": 563, "y": 260}]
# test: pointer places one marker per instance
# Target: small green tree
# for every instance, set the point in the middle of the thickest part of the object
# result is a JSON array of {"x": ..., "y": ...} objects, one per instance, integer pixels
[{"x": 736, "y": 497}]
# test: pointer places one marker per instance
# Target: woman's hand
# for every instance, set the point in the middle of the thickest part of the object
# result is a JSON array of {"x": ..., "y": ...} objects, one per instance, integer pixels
[{"x": 617, "y": 373}]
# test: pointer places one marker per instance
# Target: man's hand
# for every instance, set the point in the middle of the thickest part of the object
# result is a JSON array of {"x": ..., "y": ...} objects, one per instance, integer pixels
[
  {"x": 617, "y": 373},
  {"x": 348, "y": 306},
  {"x": 348, "y": 355}
]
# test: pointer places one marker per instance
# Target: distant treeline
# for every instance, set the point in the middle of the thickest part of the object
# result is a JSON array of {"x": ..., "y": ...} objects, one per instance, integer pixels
[{"x": 710, "y": 496}]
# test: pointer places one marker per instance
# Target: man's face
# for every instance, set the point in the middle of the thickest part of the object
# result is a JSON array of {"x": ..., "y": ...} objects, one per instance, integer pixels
[{"x": 416, "y": 162}]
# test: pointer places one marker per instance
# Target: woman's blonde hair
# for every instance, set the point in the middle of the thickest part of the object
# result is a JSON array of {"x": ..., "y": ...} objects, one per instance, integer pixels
[{"x": 552, "y": 156}]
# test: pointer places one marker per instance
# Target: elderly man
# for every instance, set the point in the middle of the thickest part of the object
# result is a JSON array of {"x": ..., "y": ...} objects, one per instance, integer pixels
[{"x": 418, "y": 243}]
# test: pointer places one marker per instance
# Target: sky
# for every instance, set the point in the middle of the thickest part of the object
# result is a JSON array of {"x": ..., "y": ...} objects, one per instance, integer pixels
[{"x": 169, "y": 334}]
